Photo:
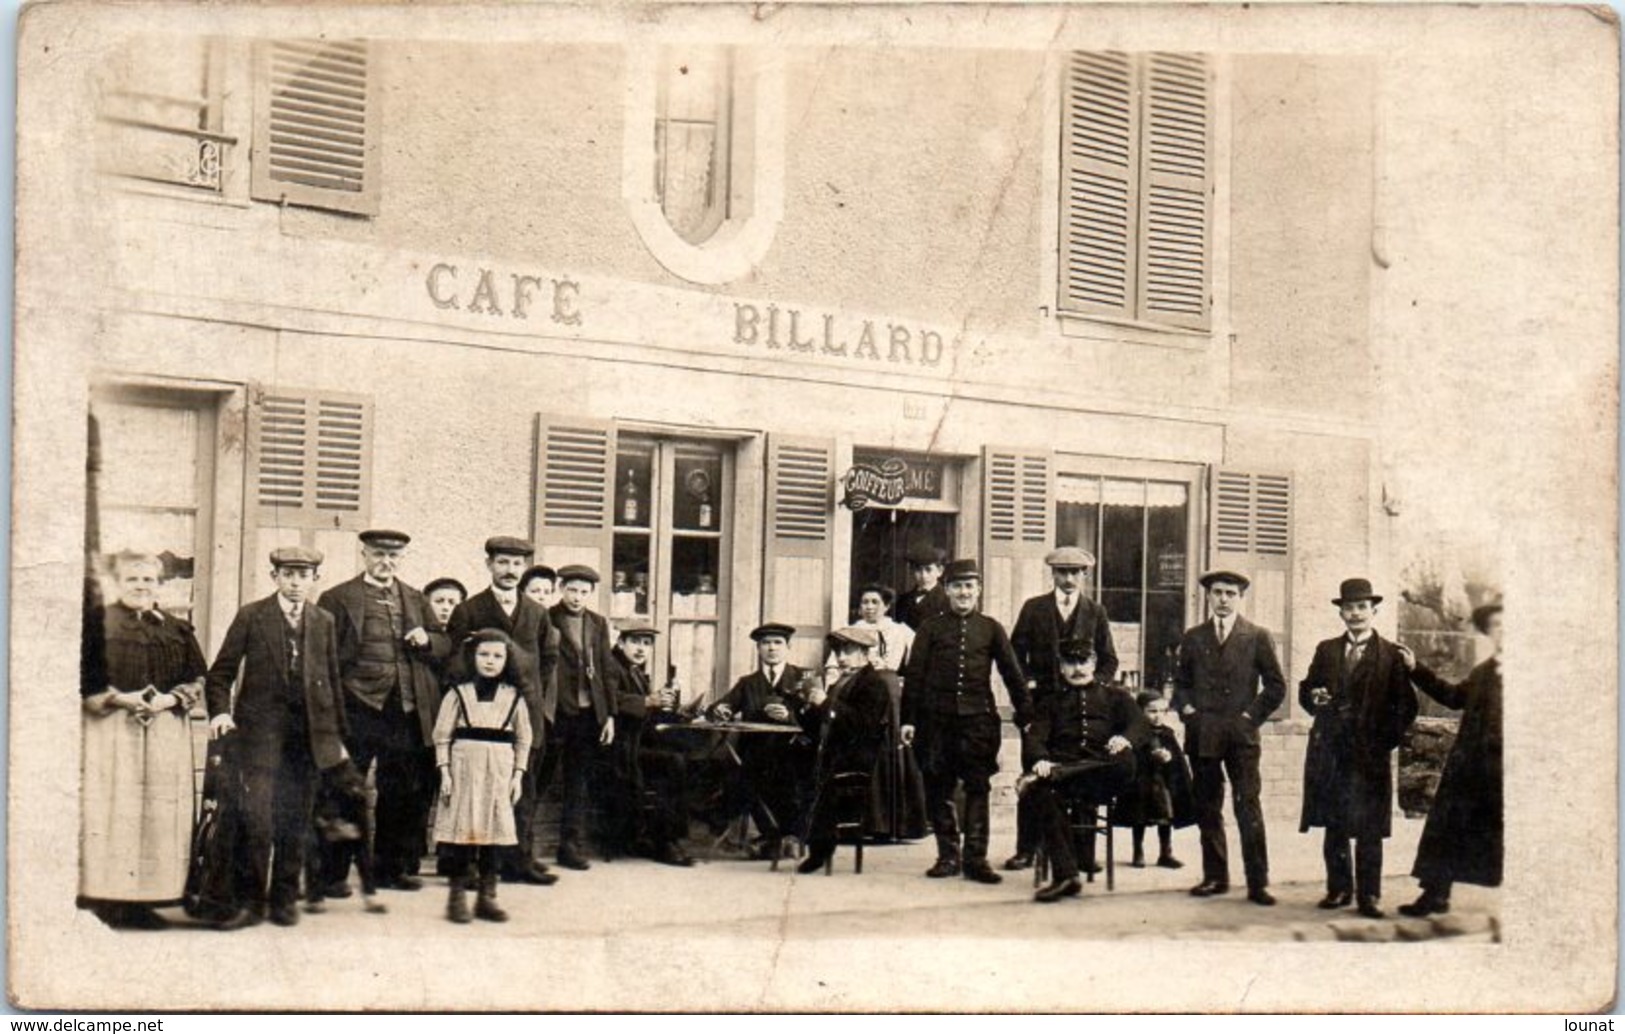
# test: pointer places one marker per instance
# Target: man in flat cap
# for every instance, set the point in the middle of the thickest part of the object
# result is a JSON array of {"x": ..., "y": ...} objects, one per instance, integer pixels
[
  {"x": 1082, "y": 741},
  {"x": 643, "y": 763},
  {"x": 927, "y": 598},
  {"x": 584, "y": 720},
  {"x": 948, "y": 702},
  {"x": 1227, "y": 682},
  {"x": 285, "y": 723},
  {"x": 391, "y": 697},
  {"x": 1045, "y": 622},
  {"x": 502, "y": 605},
  {"x": 775, "y": 769},
  {"x": 1360, "y": 694}
]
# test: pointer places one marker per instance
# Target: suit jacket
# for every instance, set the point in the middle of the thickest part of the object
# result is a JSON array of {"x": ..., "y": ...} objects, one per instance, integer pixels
[
  {"x": 632, "y": 694},
  {"x": 593, "y": 657},
  {"x": 1233, "y": 687},
  {"x": 915, "y": 608},
  {"x": 750, "y": 696},
  {"x": 347, "y": 602},
  {"x": 532, "y": 633},
  {"x": 254, "y": 657},
  {"x": 1347, "y": 778},
  {"x": 1040, "y": 631}
]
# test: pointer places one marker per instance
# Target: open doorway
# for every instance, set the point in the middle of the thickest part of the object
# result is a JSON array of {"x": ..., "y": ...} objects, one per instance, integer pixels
[{"x": 881, "y": 540}]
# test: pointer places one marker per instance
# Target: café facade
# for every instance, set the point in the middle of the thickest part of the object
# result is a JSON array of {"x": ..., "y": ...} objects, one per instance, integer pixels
[{"x": 739, "y": 324}]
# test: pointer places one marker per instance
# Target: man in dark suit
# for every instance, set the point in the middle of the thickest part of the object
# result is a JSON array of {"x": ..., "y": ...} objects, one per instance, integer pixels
[
  {"x": 1227, "y": 682},
  {"x": 775, "y": 769},
  {"x": 927, "y": 598},
  {"x": 588, "y": 683},
  {"x": 391, "y": 699},
  {"x": 1359, "y": 691},
  {"x": 643, "y": 763},
  {"x": 1045, "y": 622},
  {"x": 502, "y": 606},
  {"x": 286, "y": 724}
]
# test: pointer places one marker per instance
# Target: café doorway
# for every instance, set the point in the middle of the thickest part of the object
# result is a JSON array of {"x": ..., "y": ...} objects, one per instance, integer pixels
[{"x": 881, "y": 540}]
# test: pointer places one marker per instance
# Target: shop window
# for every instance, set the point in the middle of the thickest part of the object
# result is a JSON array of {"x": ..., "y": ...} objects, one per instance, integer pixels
[
  {"x": 310, "y": 462},
  {"x": 1139, "y": 530},
  {"x": 1136, "y": 189},
  {"x": 316, "y": 125},
  {"x": 162, "y": 108}
]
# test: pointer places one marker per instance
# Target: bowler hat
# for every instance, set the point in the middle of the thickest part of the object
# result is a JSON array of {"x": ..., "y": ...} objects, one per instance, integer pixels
[
  {"x": 773, "y": 628},
  {"x": 637, "y": 626},
  {"x": 296, "y": 556},
  {"x": 385, "y": 538},
  {"x": 1482, "y": 615},
  {"x": 923, "y": 553},
  {"x": 508, "y": 545},
  {"x": 1355, "y": 589},
  {"x": 961, "y": 571},
  {"x": 1076, "y": 648},
  {"x": 577, "y": 573},
  {"x": 854, "y": 634},
  {"x": 1070, "y": 556},
  {"x": 1229, "y": 577}
]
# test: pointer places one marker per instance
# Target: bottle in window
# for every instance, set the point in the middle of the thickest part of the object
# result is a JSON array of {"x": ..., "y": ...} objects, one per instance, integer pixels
[
  {"x": 705, "y": 510},
  {"x": 631, "y": 509}
]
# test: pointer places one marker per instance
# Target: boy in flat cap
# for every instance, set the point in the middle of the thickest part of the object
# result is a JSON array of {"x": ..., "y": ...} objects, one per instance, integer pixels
[
  {"x": 391, "y": 697},
  {"x": 588, "y": 683},
  {"x": 1359, "y": 692},
  {"x": 775, "y": 769},
  {"x": 1045, "y": 622},
  {"x": 948, "y": 701},
  {"x": 1227, "y": 682},
  {"x": 502, "y": 605},
  {"x": 286, "y": 723}
]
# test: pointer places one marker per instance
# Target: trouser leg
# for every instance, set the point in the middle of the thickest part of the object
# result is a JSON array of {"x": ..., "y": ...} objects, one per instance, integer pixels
[
  {"x": 1049, "y": 815},
  {"x": 1334, "y": 850},
  {"x": 1368, "y": 867},
  {"x": 578, "y": 741},
  {"x": 292, "y": 799},
  {"x": 939, "y": 802},
  {"x": 977, "y": 821},
  {"x": 257, "y": 793},
  {"x": 1207, "y": 775},
  {"x": 1245, "y": 785}
]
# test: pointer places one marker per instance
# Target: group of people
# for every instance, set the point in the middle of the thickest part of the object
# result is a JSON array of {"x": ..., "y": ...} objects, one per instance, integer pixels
[{"x": 468, "y": 707}]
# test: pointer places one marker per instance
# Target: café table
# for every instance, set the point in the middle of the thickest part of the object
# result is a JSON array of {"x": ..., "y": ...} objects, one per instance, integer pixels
[{"x": 706, "y": 739}]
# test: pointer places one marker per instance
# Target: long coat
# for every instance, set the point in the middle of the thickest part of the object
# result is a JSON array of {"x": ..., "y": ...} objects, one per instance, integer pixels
[
  {"x": 1462, "y": 840},
  {"x": 593, "y": 656},
  {"x": 1040, "y": 630},
  {"x": 850, "y": 725},
  {"x": 1348, "y": 780},
  {"x": 254, "y": 656},
  {"x": 347, "y": 602},
  {"x": 1233, "y": 687},
  {"x": 538, "y": 643}
]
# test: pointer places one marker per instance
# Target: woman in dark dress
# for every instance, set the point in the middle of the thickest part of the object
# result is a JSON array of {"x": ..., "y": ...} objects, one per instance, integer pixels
[
  {"x": 849, "y": 723},
  {"x": 1461, "y": 841}
]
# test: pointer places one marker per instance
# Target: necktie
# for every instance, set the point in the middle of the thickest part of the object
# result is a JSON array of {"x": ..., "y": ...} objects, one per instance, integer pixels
[
  {"x": 1066, "y": 605},
  {"x": 1356, "y": 648},
  {"x": 773, "y": 677},
  {"x": 1224, "y": 631},
  {"x": 294, "y": 614}
]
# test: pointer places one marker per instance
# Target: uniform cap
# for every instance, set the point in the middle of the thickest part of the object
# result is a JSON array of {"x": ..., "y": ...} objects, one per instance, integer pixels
[
  {"x": 961, "y": 570},
  {"x": 385, "y": 538}
]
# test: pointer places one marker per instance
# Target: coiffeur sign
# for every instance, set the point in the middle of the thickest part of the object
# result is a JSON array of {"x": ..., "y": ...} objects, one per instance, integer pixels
[{"x": 875, "y": 481}]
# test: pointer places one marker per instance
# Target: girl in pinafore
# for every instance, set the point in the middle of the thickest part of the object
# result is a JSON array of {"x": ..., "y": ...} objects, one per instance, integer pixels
[{"x": 481, "y": 743}]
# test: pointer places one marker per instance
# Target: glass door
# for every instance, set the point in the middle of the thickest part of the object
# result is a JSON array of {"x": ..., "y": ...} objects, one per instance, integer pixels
[{"x": 673, "y": 498}]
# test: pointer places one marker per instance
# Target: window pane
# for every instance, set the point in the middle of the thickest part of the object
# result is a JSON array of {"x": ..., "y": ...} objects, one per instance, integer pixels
[
  {"x": 698, "y": 483},
  {"x": 634, "y": 484},
  {"x": 1077, "y": 518},
  {"x": 629, "y": 580},
  {"x": 693, "y": 658},
  {"x": 694, "y": 575},
  {"x": 1167, "y": 546}
]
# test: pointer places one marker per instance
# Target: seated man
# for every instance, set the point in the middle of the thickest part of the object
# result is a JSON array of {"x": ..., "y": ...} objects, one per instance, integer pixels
[
  {"x": 1082, "y": 740},
  {"x": 642, "y": 761},
  {"x": 776, "y": 768}
]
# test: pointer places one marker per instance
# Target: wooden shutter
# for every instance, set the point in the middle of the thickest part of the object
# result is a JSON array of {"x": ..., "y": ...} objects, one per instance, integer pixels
[
  {"x": 310, "y": 477},
  {"x": 316, "y": 125},
  {"x": 1099, "y": 185},
  {"x": 1175, "y": 193},
  {"x": 800, "y": 555},
  {"x": 1018, "y": 506},
  {"x": 1252, "y": 532},
  {"x": 575, "y": 464}
]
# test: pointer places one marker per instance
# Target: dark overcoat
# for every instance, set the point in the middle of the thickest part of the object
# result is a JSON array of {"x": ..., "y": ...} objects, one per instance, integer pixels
[
  {"x": 1348, "y": 779},
  {"x": 850, "y": 726},
  {"x": 347, "y": 602},
  {"x": 534, "y": 636},
  {"x": 1233, "y": 687},
  {"x": 1162, "y": 790},
  {"x": 1462, "y": 840},
  {"x": 254, "y": 656}
]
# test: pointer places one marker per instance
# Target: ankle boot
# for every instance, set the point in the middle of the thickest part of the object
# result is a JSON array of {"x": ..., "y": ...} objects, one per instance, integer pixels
[
  {"x": 457, "y": 903},
  {"x": 485, "y": 903}
]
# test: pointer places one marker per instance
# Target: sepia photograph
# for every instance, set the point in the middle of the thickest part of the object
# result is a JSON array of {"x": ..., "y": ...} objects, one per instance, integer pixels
[{"x": 815, "y": 508}]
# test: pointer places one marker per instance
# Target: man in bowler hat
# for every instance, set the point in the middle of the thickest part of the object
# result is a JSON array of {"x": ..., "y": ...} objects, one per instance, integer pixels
[
  {"x": 948, "y": 702},
  {"x": 1227, "y": 682},
  {"x": 1359, "y": 692}
]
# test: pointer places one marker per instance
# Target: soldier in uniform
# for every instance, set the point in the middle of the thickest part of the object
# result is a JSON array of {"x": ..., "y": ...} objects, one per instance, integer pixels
[
  {"x": 927, "y": 599},
  {"x": 1045, "y": 622},
  {"x": 948, "y": 702},
  {"x": 1227, "y": 682}
]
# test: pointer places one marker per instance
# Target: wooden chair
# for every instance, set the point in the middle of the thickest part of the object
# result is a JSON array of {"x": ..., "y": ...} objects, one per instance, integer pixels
[
  {"x": 1086, "y": 821},
  {"x": 851, "y": 793}
]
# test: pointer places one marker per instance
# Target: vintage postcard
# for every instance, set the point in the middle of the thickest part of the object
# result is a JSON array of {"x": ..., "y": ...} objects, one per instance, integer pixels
[{"x": 767, "y": 507}]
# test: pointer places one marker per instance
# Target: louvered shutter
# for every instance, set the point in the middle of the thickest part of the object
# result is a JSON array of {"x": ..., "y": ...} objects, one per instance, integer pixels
[
  {"x": 575, "y": 459},
  {"x": 1018, "y": 504},
  {"x": 796, "y": 575},
  {"x": 316, "y": 125},
  {"x": 1175, "y": 193},
  {"x": 1252, "y": 533},
  {"x": 310, "y": 464},
  {"x": 1099, "y": 185}
]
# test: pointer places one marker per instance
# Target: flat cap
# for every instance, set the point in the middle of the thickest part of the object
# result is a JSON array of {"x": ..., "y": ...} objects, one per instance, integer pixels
[
  {"x": 1482, "y": 615},
  {"x": 578, "y": 573},
  {"x": 385, "y": 538},
  {"x": 296, "y": 556},
  {"x": 1070, "y": 556},
  {"x": 773, "y": 628},
  {"x": 1229, "y": 577},
  {"x": 922, "y": 553},
  {"x": 856, "y": 635},
  {"x": 446, "y": 583},
  {"x": 636, "y": 626},
  {"x": 508, "y": 545},
  {"x": 961, "y": 571}
]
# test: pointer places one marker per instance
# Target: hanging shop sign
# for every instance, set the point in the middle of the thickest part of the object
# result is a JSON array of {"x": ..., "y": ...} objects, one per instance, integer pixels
[{"x": 888, "y": 481}]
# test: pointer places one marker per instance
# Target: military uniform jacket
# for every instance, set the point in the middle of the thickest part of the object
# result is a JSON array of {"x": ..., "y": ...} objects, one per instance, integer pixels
[
  {"x": 255, "y": 657},
  {"x": 950, "y": 670},
  {"x": 347, "y": 602},
  {"x": 1071, "y": 724},
  {"x": 532, "y": 633},
  {"x": 1233, "y": 687},
  {"x": 1040, "y": 630}
]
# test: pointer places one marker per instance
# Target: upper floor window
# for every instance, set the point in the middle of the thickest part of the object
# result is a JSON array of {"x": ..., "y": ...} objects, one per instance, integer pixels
[
  {"x": 162, "y": 107},
  {"x": 693, "y": 140},
  {"x": 1136, "y": 189},
  {"x": 316, "y": 125}
]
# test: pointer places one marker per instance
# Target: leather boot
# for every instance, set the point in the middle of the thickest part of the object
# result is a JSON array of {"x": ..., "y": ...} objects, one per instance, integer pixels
[
  {"x": 457, "y": 903},
  {"x": 485, "y": 903}
]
